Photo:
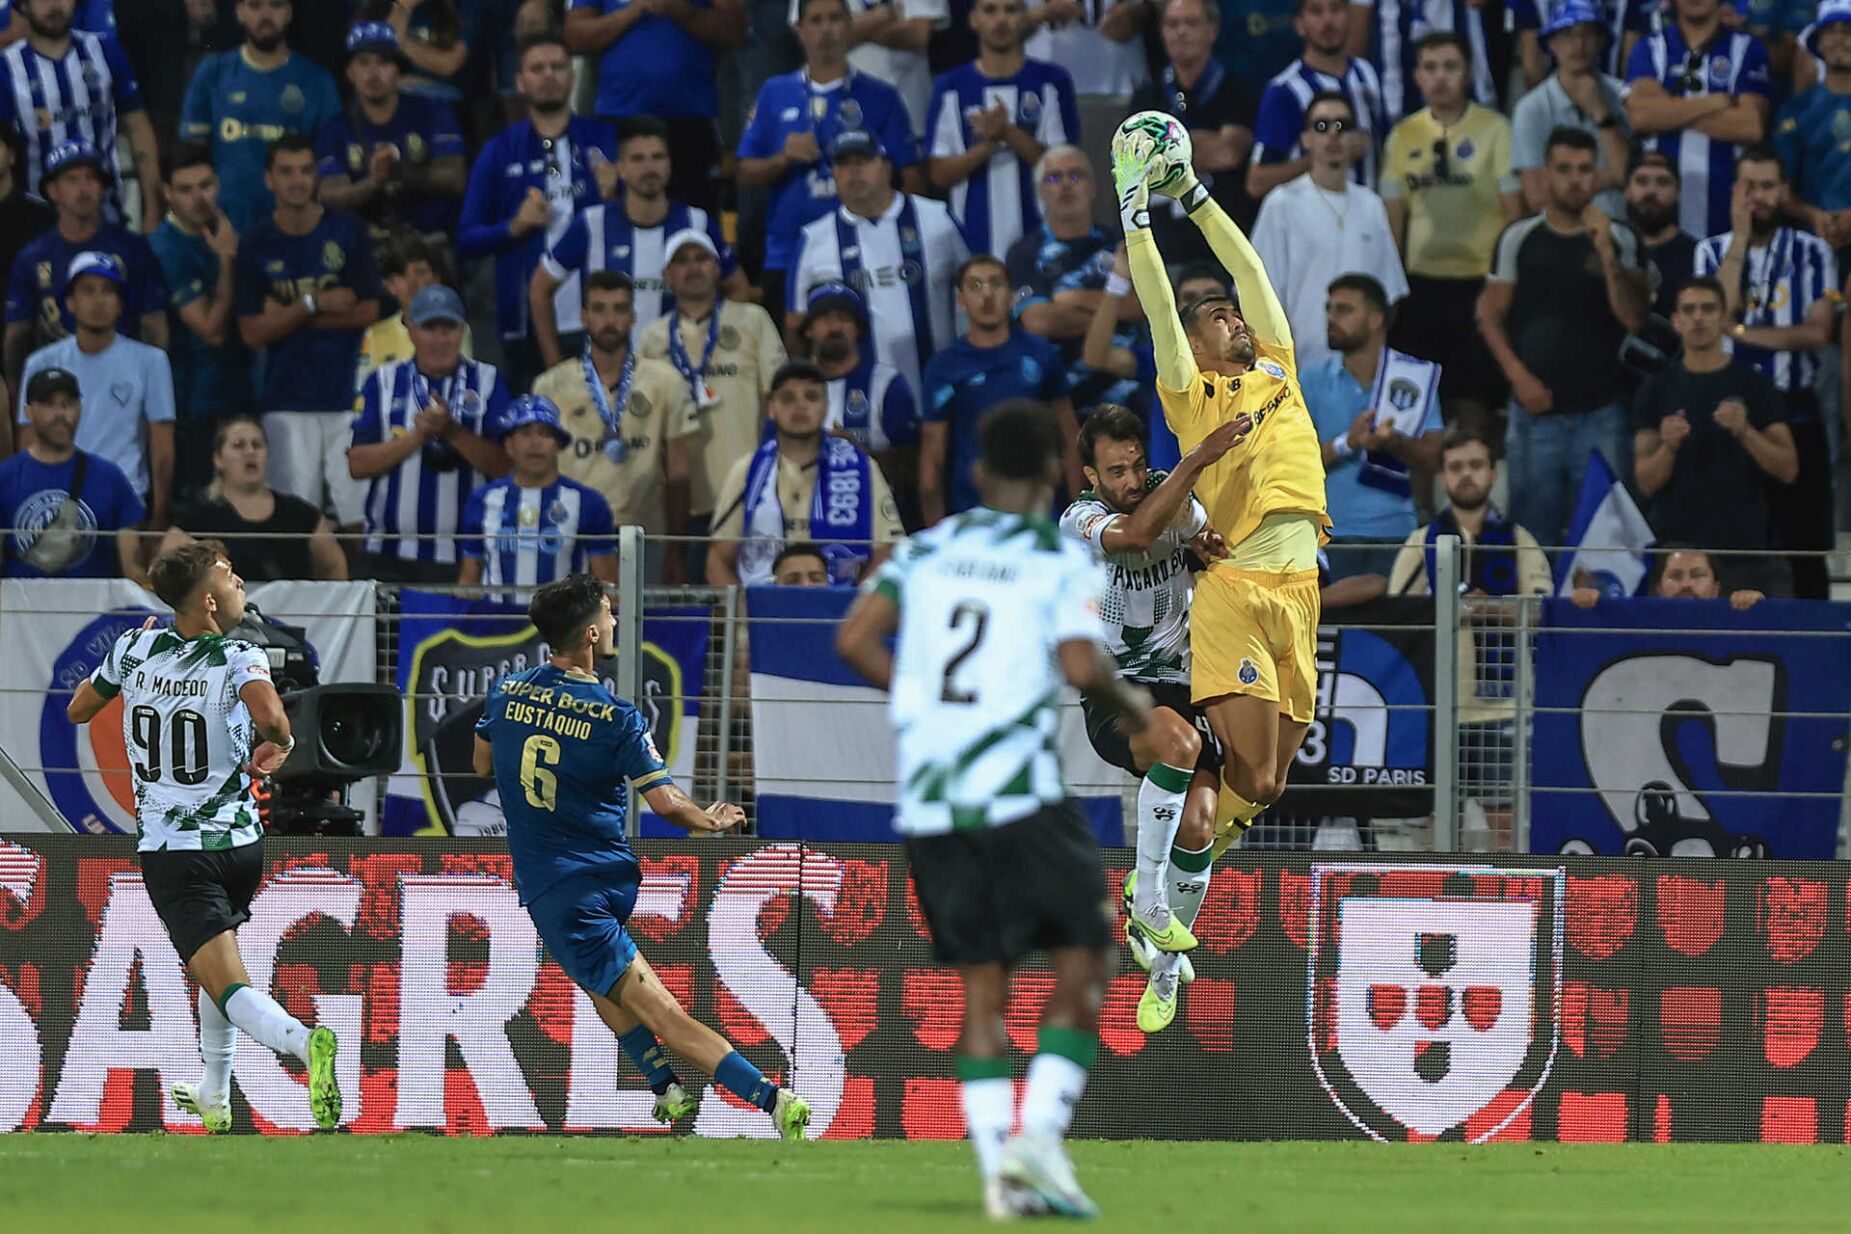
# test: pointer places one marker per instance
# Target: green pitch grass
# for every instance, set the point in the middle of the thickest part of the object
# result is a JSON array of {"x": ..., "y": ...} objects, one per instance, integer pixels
[{"x": 409, "y": 1184}]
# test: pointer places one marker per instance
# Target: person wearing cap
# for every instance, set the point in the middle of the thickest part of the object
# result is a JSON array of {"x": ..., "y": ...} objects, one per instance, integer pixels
[
  {"x": 1701, "y": 92},
  {"x": 660, "y": 59},
  {"x": 435, "y": 37},
  {"x": 36, "y": 314},
  {"x": 900, "y": 251},
  {"x": 1812, "y": 129},
  {"x": 796, "y": 117},
  {"x": 395, "y": 158},
  {"x": 802, "y": 484},
  {"x": 1651, "y": 208},
  {"x": 129, "y": 386},
  {"x": 407, "y": 266},
  {"x": 533, "y": 526},
  {"x": 870, "y": 403},
  {"x": 1577, "y": 94},
  {"x": 627, "y": 234},
  {"x": 198, "y": 249},
  {"x": 724, "y": 353},
  {"x": 57, "y": 499},
  {"x": 306, "y": 286},
  {"x": 62, "y": 84},
  {"x": 1059, "y": 272},
  {"x": 525, "y": 187},
  {"x": 244, "y": 99},
  {"x": 634, "y": 427},
  {"x": 989, "y": 123},
  {"x": 424, "y": 438}
]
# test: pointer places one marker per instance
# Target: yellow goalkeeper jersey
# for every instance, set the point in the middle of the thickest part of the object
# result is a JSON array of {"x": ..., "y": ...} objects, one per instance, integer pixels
[{"x": 1277, "y": 468}]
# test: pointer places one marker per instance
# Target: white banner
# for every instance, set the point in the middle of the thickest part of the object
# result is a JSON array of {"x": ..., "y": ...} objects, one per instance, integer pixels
[{"x": 56, "y": 631}]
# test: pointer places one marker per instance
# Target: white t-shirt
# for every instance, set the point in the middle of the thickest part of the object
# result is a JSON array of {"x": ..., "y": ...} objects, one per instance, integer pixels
[
  {"x": 884, "y": 277},
  {"x": 1351, "y": 237},
  {"x": 126, "y": 387},
  {"x": 1098, "y": 65}
]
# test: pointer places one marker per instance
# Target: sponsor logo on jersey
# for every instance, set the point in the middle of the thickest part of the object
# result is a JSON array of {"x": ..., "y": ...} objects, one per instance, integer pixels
[{"x": 1271, "y": 369}]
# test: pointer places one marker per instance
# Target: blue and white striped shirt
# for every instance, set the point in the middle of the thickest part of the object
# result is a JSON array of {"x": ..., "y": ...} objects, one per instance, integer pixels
[
  {"x": 1397, "y": 25},
  {"x": 997, "y": 202},
  {"x": 414, "y": 511},
  {"x": 602, "y": 237},
  {"x": 529, "y": 537},
  {"x": 1781, "y": 281},
  {"x": 1282, "y": 112},
  {"x": 1734, "y": 63},
  {"x": 77, "y": 97}
]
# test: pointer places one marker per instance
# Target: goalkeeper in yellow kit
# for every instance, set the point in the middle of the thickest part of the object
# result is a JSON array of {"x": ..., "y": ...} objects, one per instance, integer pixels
[{"x": 1253, "y": 626}]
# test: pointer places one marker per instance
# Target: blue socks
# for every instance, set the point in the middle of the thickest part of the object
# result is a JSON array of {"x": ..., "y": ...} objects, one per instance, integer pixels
[
  {"x": 650, "y": 1058},
  {"x": 741, "y": 1078}
]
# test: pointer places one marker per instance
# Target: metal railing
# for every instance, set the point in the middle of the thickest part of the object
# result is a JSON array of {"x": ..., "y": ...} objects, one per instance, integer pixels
[{"x": 1475, "y": 791}]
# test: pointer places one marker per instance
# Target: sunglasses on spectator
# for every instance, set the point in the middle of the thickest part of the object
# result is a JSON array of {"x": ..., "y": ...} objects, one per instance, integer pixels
[
  {"x": 547, "y": 147},
  {"x": 1329, "y": 124}
]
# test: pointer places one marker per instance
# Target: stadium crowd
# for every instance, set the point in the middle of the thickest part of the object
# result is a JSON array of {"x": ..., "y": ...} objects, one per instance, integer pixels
[{"x": 446, "y": 290}]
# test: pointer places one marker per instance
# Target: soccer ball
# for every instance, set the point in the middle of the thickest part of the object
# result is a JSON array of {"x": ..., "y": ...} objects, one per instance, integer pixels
[{"x": 1173, "y": 151}]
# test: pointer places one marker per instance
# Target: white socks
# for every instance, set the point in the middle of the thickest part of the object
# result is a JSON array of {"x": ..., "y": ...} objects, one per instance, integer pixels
[
  {"x": 1186, "y": 888},
  {"x": 264, "y": 1019},
  {"x": 989, "y": 1112},
  {"x": 218, "y": 1040},
  {"x": 1160, "y": 813},
  {"x": 1054, "y": 1087}
]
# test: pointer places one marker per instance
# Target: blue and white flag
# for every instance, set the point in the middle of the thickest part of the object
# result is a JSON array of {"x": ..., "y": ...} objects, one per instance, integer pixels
[
  {"x": 823, "y": 747},
  {"x": 1608, "y": 538}
]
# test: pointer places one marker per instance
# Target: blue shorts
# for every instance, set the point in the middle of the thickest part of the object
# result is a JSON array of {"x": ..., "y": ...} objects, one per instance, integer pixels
[{"x": 581, "y": 921}]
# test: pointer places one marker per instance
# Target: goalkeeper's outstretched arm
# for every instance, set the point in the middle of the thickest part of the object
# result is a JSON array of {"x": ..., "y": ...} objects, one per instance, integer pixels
[
  {"x": 1176, "y": 368},
  {"x": 1259, "y": 303}
]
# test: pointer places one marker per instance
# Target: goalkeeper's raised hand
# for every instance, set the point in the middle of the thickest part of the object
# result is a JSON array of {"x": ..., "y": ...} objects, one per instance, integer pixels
[{"x": 1132, "y": 153}]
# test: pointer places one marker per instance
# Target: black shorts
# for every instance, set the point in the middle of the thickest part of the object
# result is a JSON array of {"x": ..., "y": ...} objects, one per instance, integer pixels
[
  {"x": 1111, "y": 744},
  {"x": 200, "y": 895},
  {"x": 991, "y": 895},
  {"x": 1438, "y": 321}
]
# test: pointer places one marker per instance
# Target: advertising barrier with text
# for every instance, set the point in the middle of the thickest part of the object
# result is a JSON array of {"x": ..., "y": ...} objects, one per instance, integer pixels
[{"x": 1547, "y": 999}]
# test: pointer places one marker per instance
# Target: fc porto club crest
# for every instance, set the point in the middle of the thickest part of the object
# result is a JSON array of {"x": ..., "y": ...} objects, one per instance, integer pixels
[
  {"x": 1433, "y": 994},
  {"x": 292, "y": 99}
]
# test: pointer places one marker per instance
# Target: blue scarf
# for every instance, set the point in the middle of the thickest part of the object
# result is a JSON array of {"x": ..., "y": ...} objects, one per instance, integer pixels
[
  {"x": 615, "y": 448},
  {"x": 461, "y": 392},
  {"x": 690, "y": 372},
  {"x": 1490, "y": 567},
  {"x": 912, "y": 270},
  {"x": 841, "y": 512}
]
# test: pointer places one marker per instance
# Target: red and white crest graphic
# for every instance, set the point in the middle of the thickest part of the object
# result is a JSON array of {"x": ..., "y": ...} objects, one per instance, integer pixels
[{"x": 1433, "y": 994}]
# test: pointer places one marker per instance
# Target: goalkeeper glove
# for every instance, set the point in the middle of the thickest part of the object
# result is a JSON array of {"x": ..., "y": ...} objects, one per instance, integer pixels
[{"x": 1131, "y": 177}]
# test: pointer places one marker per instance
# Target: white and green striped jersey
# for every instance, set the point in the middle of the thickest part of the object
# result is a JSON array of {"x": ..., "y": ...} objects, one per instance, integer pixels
[
  {"x": 985, "y": 600},
  {"x": 1146, "y": 602},
  {"x": 188, "y": 735}
]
